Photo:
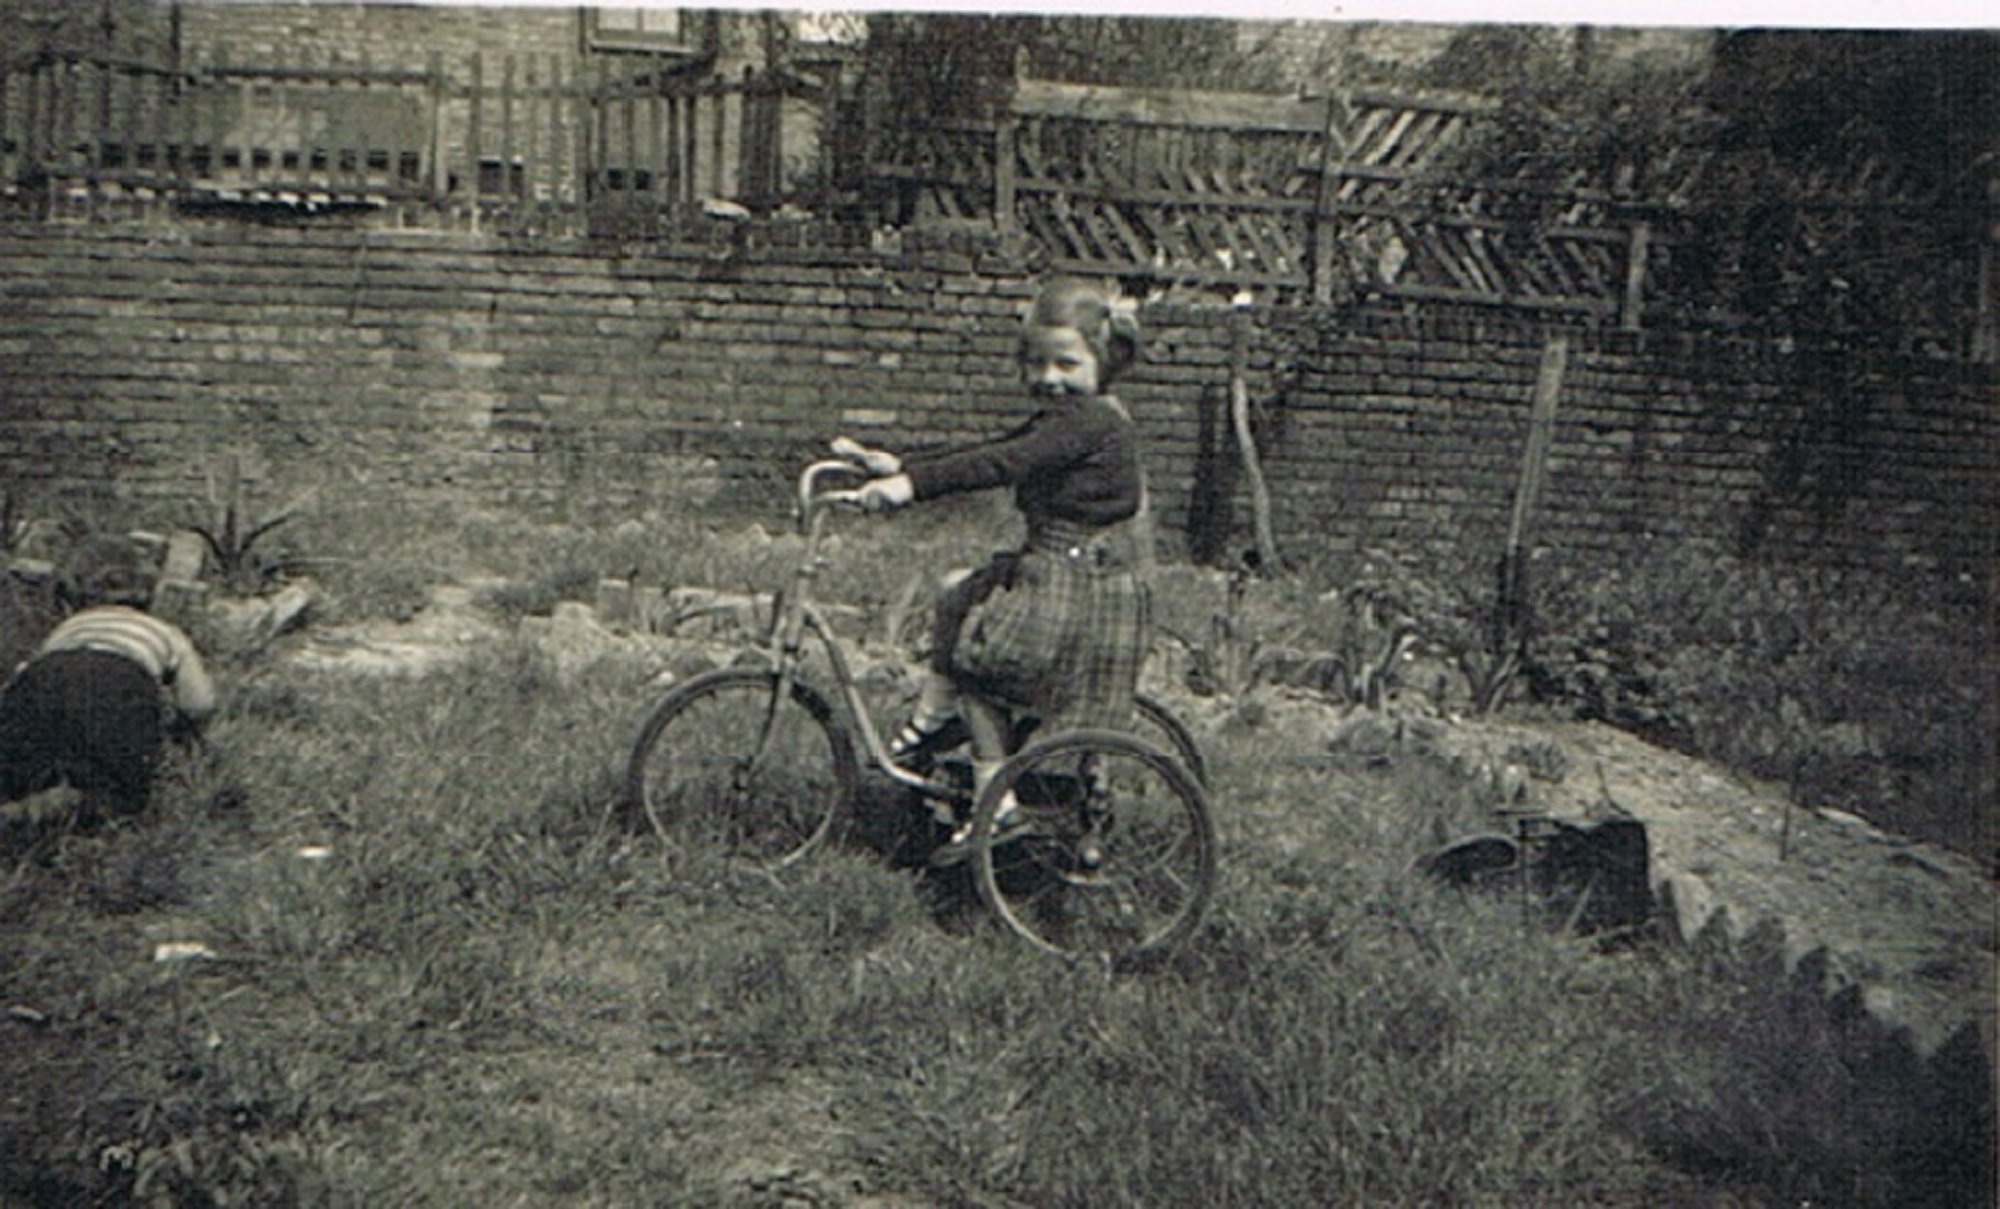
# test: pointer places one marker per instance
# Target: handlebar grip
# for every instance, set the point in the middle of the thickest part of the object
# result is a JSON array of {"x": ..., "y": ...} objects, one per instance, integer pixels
[{"x": 809, "y": 480}]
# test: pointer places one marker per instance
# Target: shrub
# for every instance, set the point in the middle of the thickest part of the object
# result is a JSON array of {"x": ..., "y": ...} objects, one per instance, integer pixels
[{"x": 1862, "y": 692}]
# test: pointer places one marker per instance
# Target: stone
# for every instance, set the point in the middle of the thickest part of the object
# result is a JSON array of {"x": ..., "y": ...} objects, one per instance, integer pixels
[
  {"x": 1472, "y": 863},
  {"x": 32, "y": 570},
  {"x": 150, "y": 546},
  {"x": 614, "y": 603},
  {"x": 186, "y": 557},
  {"x": 1595, "y": 880},
  {"x": 649, "y": 610},
  {"x": 181, "y": 601},
  {"x": 576, "y": 638},
  {"x": 1364, "y": 733},
  {"x": 289, "y": 606}
]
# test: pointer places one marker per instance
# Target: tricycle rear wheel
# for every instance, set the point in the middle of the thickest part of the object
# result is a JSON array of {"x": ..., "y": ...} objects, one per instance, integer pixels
[{"x": 1109, "y": 851}]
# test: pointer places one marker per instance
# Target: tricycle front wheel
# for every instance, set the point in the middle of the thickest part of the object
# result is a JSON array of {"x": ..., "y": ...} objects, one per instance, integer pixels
[{"x": 734, "y": 761}]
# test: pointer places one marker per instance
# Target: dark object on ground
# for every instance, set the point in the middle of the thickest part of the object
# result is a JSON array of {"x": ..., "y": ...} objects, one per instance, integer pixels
[{"x": 1596, "y": 879}]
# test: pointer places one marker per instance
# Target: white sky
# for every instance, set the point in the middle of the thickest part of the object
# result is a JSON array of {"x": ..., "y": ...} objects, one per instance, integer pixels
[{"x": 1873, "y": 14}]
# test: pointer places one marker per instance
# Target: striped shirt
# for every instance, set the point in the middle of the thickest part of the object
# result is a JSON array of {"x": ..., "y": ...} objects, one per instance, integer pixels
[{"x": 158, "y": 646}]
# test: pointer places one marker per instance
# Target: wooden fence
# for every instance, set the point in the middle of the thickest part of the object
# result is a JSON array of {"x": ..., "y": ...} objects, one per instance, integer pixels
[
  {"x": 1297, "y": 199},
  {"x": 549, "y": 141},
  {"x": 1302, "y": 198}
]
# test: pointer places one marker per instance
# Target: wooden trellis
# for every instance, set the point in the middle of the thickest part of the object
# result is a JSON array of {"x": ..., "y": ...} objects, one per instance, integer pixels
[
  {"x": 937, "y": 171},
  {"x": 1292, "y": 196}
]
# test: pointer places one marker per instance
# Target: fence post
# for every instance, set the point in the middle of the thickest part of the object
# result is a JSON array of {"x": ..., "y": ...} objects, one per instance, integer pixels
[
  {"x": 671, "y": 123},
  {"x": 1632, "y": 308},
  {"x": 750, "y": 141},
  {"x": 475, "y": 130},
  {"x": 31, "y": 119},
  {"x": 656, "y": 137},
  {"x": 364, "y": 85},
  {"x": 1333, "y": 155},
  {"x": 128, "y": 137},
  {"x": 550, "y": 103},
  {"x": 185, "y": 126},
  {"x": 8, "y": 170},
  {"x": 213, "y": 91},
  {"x": 720, "y": 185},
  {"x": 571, "y": 112},
  {"x": 434, "y": 88},
  {"x": 1006, "y": 181},
  {"x": 774, "y": 137},
  {"x": 508, "y": 151},
  {"x": 629, "y": 109},
  {"x": 1246, "y": 439},
  {"x": 100, "y": 126},
  {"x": 72, "y": 101}
]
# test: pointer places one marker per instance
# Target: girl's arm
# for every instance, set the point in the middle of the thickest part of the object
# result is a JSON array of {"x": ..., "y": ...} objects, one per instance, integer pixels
[
  {"x": 193, "y": 691},
  {"x": 1055, "y": 438}
]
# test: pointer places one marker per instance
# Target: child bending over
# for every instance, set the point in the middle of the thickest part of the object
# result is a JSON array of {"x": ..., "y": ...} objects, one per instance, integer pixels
[{"x": 95, "y": 705}]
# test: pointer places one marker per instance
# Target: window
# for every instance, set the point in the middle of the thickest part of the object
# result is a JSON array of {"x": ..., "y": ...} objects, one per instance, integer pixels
[
  {"x": 830, "y": 29},
  {"x": 652, "y": 30}
]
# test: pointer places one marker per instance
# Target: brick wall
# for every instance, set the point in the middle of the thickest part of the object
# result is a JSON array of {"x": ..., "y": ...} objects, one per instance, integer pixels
[
  {"x": 1412, "y": 426},
  {"x": 462, "y": 368}
]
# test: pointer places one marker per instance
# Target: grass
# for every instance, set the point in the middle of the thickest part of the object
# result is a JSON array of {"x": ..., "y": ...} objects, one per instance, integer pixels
[{"x": 443, "y": 977}]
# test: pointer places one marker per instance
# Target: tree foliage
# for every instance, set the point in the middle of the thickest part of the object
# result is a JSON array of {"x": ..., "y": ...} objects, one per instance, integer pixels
[
  {"x": 1570, "y": 119},
  {"x": 1848, "y": 178},
  {"x": 956, "y": 65},
  {"x": 1824, "y": 182}
]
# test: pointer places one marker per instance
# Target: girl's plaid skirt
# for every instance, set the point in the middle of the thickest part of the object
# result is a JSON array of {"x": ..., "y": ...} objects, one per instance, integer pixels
[{"x": 1062, "y": 632}]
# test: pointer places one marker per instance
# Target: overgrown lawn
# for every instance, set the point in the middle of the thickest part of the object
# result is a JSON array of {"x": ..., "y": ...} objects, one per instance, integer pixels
[{"x": 443, "y": 975}]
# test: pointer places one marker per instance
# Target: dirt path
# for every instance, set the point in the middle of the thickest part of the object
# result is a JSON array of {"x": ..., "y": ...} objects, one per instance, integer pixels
[{"x": 1909, "y": 928}]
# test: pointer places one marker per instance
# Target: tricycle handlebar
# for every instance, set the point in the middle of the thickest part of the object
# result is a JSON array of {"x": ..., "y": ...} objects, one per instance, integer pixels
[{"x": 810, "y": 494}]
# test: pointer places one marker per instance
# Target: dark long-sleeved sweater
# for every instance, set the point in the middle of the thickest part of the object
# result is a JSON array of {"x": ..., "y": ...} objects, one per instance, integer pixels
[{"x": 1076, "y": 460}]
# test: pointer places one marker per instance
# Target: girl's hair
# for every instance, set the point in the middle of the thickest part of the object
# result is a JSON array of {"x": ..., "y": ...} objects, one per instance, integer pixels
[{"x": 1110, "y": 327}]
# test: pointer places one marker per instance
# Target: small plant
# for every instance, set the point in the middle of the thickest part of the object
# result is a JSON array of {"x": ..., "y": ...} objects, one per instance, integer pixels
[
  {"x": 1223, "y": 664},
  {"x": 1374, "y": 640},
  {"x": 1354, "y": 643},
  {"x": 232, "y": 537},
  {"x": 1482, "y": 638}
]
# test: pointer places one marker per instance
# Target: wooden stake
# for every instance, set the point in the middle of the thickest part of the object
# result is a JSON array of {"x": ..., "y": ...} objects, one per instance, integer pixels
[
  {"x": 1985, "y": 342},
  {"x": 1246, "y": 441},
  {"x": 1541, "y": 434},
  {"x": 1511, "y": 614},
  {"x": 1631, "y": 310}
]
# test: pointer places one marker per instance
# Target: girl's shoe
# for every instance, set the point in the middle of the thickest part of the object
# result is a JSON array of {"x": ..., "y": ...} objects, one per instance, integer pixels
[
  {"x": 1007, "y": 823},
  {"x": 918, "y": 739}
]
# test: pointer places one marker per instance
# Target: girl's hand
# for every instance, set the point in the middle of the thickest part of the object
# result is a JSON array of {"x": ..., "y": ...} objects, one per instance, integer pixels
[
  {"x": 877, "y": 495},
  {"x": 878, "y": 462}
]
